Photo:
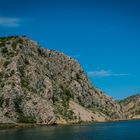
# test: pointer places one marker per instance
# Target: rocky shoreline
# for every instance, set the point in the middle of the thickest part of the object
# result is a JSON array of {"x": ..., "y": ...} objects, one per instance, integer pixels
[{"x": 30, "y": 125}]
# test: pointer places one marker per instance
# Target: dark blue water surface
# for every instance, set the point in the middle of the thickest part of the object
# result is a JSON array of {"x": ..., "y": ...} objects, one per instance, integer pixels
[{"x": 127, "y": 130}]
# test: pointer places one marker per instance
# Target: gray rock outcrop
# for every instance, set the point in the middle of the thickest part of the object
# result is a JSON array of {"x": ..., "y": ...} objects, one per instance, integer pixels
[{"x": 39, "y": 85}]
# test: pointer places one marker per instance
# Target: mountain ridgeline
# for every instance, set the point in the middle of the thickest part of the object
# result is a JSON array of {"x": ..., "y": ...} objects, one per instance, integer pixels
[{"x": 43, "y": 86}]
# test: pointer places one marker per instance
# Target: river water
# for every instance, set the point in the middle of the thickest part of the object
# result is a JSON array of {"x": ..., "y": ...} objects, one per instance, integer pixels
[{"x": 127, "y": 130}]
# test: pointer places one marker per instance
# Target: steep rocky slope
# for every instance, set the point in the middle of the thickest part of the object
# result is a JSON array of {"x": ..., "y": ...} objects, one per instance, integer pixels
[
  {"x": 131, "y": 106},
  {"x": 38, "y": 85}
]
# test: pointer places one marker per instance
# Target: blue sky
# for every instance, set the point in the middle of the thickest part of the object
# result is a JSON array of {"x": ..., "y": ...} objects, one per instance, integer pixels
[{"x": 103, "y": 35}]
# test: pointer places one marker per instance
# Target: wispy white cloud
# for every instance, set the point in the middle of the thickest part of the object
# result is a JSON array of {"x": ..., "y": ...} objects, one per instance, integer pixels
[
  {"x": 75, "y": 56},
  {"x": 9, "y": 22},
  {"x": 105, "y": 73}
]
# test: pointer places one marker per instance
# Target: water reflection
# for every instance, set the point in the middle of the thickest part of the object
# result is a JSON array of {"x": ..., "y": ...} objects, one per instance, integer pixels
[{"x": 98, "y": 131}]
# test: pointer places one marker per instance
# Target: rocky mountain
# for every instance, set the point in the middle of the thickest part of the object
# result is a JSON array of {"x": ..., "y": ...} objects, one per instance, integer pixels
[
  {"x": 39, "y": 85},
  {"x": 131, "y": 106}
]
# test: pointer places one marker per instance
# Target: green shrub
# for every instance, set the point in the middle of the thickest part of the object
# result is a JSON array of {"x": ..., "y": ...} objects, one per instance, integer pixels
[
  {"x": 13, "y": 84},
  {"x": 6, "y": 63},
  {"x": 26, "y": 119},
  {"x": 67, "y": 92},
  {"x": 12, "y": 72},
  {"x": 17, "y": 103},
  {"x": 70, "y": 114},
  {"x": 21, "y": 70},
  {"x": 2, "y": 44},
  {"x": 80, "y": 101},
  {"x": 20, "y": 41},
  {"x": 11, "y": 54},
  {"x": 14, "y": 45},
  {"x": 1, "y": 101},
  {"x": 65, "y": 95},
  {"x": 78, "y": 76},
  {"x": 2, "y": 85},
  {"x": 6, "y": 75},
  {"x": 1, "y": 75},
  {"x": 93, "y": 109},
  {"x": 6, "y": 102},
  {"x": 4, "y": 50},
  {"x": 41, "y": 52},
  {"x": 26, "y": 61},
  {"x": 25, "y": 83}
]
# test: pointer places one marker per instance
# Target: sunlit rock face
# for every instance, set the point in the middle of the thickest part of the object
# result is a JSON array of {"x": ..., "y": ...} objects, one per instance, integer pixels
[{"x": 39, "y": 85}]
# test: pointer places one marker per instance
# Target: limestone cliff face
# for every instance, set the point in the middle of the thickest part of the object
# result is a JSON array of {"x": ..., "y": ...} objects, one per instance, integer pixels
[
  {"x": 38, "y": 85},
  {"x": 131, "y": 106}
]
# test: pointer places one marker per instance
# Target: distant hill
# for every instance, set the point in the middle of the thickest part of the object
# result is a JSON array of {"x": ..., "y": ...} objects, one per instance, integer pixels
[
  {"x": 131, "y": 106},
  {"x": 39, "y": 85}
]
